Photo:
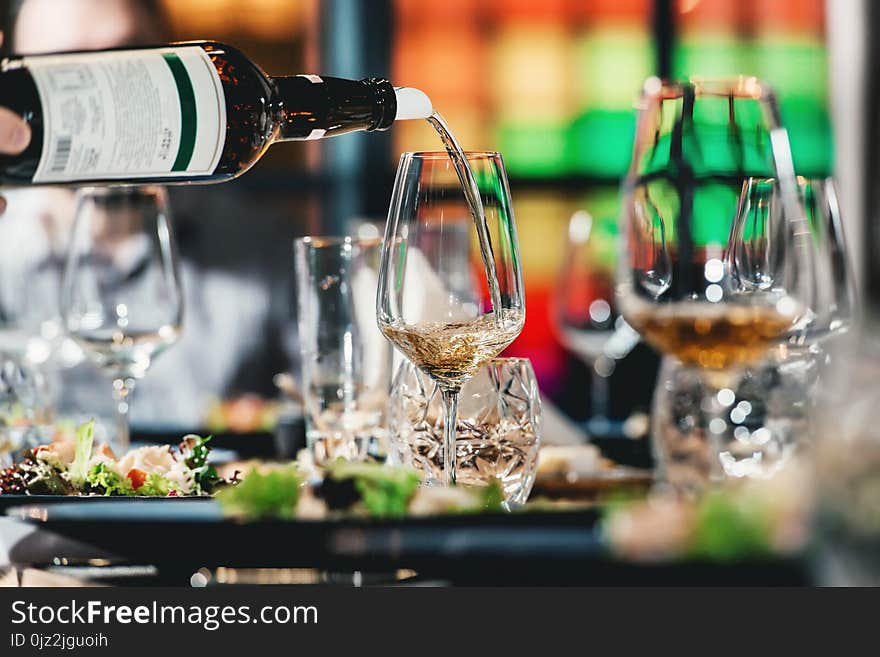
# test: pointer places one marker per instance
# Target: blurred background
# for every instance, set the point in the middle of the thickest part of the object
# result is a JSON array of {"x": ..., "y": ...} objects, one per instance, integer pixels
[{"x": 550, "y": 84}]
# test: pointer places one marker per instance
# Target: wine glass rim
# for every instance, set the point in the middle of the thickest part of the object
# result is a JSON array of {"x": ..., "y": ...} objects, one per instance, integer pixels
[
  {"x": 321, "y": 241},
  {"x": 444, "y": 155},
  {"x": 737, "y": 86},
  {"x": 801, "y": 180}
]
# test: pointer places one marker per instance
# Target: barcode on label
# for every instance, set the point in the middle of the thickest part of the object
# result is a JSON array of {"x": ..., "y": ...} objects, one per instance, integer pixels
[{"x": 62, "y": 154}]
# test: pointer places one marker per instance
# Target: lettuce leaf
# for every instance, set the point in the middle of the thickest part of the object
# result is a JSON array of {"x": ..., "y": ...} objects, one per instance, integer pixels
[
  {"x": 492, "y": 497},
  {"x": 78, "y": 470},
  {"x": 106, "y": 481},
  {"x": 263, "y": 495},
  {"x": 156, "y": 485},
  {"x": 385, "y": 491}
]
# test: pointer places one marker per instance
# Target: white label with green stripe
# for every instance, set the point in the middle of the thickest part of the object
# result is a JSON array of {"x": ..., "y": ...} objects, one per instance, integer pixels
[{"x": 129, "y": 114}]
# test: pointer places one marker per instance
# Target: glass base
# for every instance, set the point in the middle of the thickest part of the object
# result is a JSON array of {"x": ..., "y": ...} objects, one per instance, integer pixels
[{"x": 730, "y": 424}]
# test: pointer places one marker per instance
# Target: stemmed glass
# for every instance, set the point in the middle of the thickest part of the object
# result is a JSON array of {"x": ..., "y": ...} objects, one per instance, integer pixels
[
  {"x": 691, "y": 282},
  {"x": 121, "y": 297},
  {"x": 773, "y": 399},
  {"x": 433, "y": 301},
  {"x": 584, "y": 308},
  {"x": 835, "y": 305}
]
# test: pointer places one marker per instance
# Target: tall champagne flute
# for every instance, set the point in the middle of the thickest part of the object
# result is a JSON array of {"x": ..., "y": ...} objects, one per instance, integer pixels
[
  {"x": 434, "y": 302},
  {"x": 678, "y": 286},
  {"x": 121, "y": 297}
]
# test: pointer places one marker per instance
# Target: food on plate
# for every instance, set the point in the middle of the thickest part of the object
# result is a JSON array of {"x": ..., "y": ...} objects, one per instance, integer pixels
[
  {"x": 244, "y": 414},
  {"x": 754, "y": 518},
  {"x": 81, "y": 467},
  {"x": 264, "y": 493},
  {"x": 569, "y": 460},
  {"x": 350, "y": 489}
]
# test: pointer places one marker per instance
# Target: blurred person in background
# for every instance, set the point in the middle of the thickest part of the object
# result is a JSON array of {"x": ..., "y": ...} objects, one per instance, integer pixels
[{"x": 236, "y": 261}]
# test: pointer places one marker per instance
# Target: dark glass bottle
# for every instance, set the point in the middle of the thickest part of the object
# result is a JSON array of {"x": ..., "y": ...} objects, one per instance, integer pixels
[{"x": 191, "y": 112}]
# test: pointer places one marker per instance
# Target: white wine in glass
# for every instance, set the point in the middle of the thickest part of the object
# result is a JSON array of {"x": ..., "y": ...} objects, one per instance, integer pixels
[{"x": 435, "y": 299}]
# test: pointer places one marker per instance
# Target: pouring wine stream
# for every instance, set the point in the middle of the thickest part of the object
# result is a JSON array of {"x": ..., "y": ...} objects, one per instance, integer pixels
[{"x": 413, "y": 103}]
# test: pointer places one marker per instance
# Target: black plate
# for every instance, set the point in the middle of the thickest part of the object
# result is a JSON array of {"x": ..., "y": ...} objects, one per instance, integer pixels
[
  {"x": 533, "y": 548},
  {"x": 9, "y": 501},
  {"x": 179, "y": 530}
]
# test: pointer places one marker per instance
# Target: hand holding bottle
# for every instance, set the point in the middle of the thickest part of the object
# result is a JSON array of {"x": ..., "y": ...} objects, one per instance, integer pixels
[
  {"x": 182, "y": 113},
  {"x": 15, "y": 135}
]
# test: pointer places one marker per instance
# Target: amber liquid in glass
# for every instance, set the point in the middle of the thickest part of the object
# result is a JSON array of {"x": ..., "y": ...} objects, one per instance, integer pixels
[{"x": 714, "y": 337}]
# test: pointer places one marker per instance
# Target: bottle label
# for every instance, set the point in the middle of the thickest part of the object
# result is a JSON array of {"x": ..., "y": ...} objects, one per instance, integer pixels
[{"x": 129, "y": 114}]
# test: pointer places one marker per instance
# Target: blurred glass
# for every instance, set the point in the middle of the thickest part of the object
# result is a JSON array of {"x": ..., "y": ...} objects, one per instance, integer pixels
[
  {"x": 26, "y": 404},
  {"x": 707, "y": 276},
  {"x": 26, "y": 411},
  {"x": 584, "y": 309},
  {"x": 846, "y": 459},
  {"x": 121, "y": 298},
  {"x": 769, "y": 407},
  {"x": 346, "y": 361},
  {"x": 498, "y": 428}
]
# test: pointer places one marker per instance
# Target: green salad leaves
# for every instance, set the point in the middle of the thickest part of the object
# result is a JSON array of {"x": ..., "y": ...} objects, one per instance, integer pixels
[
  {"x": 108, "y": 482},
  {"x": 352, "y": 489},
  {"x": 384, "y": 491},
  {"x": 263, "y": 495},
  {"x": 82, "y": 467}
]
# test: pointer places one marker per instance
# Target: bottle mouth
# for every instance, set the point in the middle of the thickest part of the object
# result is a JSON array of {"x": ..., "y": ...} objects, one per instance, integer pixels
[{"x": 412, "y": 103}]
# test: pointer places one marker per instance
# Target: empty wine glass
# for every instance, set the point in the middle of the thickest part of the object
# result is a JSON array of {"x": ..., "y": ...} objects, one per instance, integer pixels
[
  {"x": 835, "y": 301},
  {"x": 121, "y": 298},
  {"x": 584, "y": 308},
  {"x": 435, "y": 299},
  {"x": 772, "y": 403},
  {"x": 679, "y": 285}
]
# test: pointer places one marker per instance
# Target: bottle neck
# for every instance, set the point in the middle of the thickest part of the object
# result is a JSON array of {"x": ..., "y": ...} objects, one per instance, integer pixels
[{"x": 312, "y": 107}]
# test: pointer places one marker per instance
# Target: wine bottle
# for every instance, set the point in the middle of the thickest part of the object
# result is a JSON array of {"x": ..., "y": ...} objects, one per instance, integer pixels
[{"x": 182, "y": 113}]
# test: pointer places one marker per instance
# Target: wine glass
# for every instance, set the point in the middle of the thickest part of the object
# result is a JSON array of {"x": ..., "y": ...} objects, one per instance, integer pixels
[
  {"x": 435, "y": 296},
  {"x": 835, "y": 305},
  {"x": 698, "y": 284},
  {"x": 584, "y": 308},
  {"x": 778, "y": 393},
  {"x": 121, "y": 299}
]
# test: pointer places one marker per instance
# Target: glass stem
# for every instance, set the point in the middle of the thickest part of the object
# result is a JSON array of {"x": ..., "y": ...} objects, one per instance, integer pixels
[
  {"x": 598, "y": 395},
  {"x": 122, "y": 388},
  {"x": 450, "y": 409}
]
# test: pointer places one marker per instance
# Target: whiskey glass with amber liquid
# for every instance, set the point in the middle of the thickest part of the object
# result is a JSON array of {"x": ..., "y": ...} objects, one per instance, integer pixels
[{"x": 711, "y": 274}]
